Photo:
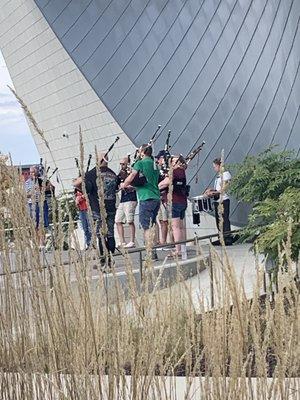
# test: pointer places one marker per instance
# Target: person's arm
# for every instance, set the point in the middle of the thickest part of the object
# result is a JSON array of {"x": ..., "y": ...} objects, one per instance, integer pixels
[
  {"x": 213, "y": 192},
  {"x": 129, "y": 179},
  {"x": 135, "y": 170},
  {"x": 119, "y": 181},
  {"x": 209, "y": 191},
  {"x": 164, "y": 183}
]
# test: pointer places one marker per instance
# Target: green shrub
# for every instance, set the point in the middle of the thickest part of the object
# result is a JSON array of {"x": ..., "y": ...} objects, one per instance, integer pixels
[{"x": 271, "y": 183}]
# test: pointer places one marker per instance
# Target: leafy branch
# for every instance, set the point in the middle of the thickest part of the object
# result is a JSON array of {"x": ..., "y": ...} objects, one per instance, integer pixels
[{"x": 271, "y": 183}]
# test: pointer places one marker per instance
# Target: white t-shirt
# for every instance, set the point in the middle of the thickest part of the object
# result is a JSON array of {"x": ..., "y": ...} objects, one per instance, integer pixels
[{"x": 218, "y": 184}]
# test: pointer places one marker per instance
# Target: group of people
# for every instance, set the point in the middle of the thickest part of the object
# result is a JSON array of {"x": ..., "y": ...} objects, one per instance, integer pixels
[
  {"x": 39, "y": 195},
  {"x": 158, "y": 184},
  {"x": 160, "y": 190}
]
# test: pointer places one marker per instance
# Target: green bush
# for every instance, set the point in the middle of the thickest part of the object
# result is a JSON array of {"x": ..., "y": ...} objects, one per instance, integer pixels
[
  {"x": 63, "y": 210},
  {"x": 67, "y": 206},
  {"x": 271, "y": 183}
]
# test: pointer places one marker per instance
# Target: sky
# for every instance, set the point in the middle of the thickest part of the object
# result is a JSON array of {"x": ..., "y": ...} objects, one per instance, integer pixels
[{"x": 15, "y": 137}]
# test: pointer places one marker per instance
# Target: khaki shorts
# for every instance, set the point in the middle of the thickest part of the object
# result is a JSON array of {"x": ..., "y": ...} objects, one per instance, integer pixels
[
  {"x": 162, "y": 213},
  {"x": 125, "y": 212}
]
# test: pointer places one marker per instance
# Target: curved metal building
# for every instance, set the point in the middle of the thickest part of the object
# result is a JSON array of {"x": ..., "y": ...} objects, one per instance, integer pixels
[{"x": 222, "y": 71}]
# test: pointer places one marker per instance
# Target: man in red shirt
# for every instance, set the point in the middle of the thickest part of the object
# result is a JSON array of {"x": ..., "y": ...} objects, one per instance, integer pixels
[{"x": 81, "y": 204}]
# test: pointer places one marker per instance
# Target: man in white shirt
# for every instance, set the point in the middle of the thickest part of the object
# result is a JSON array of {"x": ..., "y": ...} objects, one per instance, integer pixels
[{"x": 219, "y": 194}]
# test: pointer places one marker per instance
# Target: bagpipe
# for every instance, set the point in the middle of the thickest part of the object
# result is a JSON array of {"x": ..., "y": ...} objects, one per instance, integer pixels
[
  {"x": 184, "y": 161},
  {"x": 179, "y": 184},
  {"x": 109, "y": 150},
  {"x": 140, "y": 179},
  {"x": 124, "y": 173},
  {"x": 137, "y": 155},
  {"x": 104, "y": 158},
  {"x": 79, "y": 188},
  {"x": 87, "y": 167},
  {"x": 167, "y": 156}
]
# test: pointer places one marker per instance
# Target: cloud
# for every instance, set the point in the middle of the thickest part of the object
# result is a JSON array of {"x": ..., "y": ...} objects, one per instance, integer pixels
[
  {"x": 15, "y": 136},
  {"x": 10, "y": 110}
]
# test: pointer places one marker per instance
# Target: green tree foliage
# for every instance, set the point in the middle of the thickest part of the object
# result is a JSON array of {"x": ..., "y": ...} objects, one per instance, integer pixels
[
  {"x": 64, "y": 210},
  {"x": 271, "y": 183},
  {"x": 66, "y": 203}
]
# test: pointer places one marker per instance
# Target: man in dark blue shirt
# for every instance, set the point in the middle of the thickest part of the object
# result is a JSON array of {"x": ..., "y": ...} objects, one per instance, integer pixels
[{"x": 126, "y": 210}]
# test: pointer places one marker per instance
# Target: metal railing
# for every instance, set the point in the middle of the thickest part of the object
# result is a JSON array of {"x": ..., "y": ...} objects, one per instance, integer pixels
[
  {"x": 195, "y": 240},
  {"x": 142, "y": 249}
]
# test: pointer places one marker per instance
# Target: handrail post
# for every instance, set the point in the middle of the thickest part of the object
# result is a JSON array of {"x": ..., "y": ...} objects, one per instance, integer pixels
[
  {"x": 211, "y": 279},
  {"x": 141, "y": 265}
]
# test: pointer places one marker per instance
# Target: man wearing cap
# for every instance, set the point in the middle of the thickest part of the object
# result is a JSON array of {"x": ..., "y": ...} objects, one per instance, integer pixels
[
  {"x": 163, "y": 211},
  {"x": 148, "y": 193},
  {"x": 178, "y": 201},
  {"x": 110, "y": 184}
]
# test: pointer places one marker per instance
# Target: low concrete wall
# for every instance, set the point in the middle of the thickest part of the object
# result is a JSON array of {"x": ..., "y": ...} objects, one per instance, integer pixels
[
  {"x": 57, "y": 386},
  {"x": 158, "y": 277}
]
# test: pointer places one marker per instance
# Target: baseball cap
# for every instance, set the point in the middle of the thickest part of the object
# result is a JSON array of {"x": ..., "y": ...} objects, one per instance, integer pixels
[{"x": 161, "y": 153}]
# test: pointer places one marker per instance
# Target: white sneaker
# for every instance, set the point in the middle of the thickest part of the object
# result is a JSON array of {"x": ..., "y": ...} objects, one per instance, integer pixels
[
  {"x": 129, "y": 245},
  {"x": 120, "y": 245}
]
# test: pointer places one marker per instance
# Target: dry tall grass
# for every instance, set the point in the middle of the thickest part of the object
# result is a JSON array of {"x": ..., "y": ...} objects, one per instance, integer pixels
[{"x": 66, "y": 340}]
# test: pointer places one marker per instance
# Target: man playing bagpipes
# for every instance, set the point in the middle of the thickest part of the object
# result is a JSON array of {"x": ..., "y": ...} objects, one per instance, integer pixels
[
  {"x": 126, "y": 209},
  {"x": 110, "y": 185},
  {"x": 144, "y": 177},
  {"x": 176, "y": 180}
]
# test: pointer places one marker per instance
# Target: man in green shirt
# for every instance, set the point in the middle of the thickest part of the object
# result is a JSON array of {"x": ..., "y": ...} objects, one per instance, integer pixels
[{"x": 148, "y": 193}]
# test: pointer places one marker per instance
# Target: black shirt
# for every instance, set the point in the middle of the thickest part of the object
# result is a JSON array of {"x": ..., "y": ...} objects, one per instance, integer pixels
[
  {"x": 126, "y": 194},
  {"x": 110, "y": 185}
]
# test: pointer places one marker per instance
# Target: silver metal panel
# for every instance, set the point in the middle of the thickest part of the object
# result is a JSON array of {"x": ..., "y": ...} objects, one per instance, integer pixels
[{"x": 223, "y": 71}]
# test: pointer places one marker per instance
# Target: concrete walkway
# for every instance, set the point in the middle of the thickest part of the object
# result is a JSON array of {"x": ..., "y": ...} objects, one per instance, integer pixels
[
  {"x": 76, "y": 263},
  {"x": 203, "y": 289},
  {"x": 239, "y": 261}
]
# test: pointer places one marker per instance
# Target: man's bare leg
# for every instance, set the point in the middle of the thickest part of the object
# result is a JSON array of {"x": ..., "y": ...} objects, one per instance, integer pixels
[
  {"x": 132, "y": 231},
  {"x": 120, "y": 229},
  {"x": 163, "y": 232}
]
